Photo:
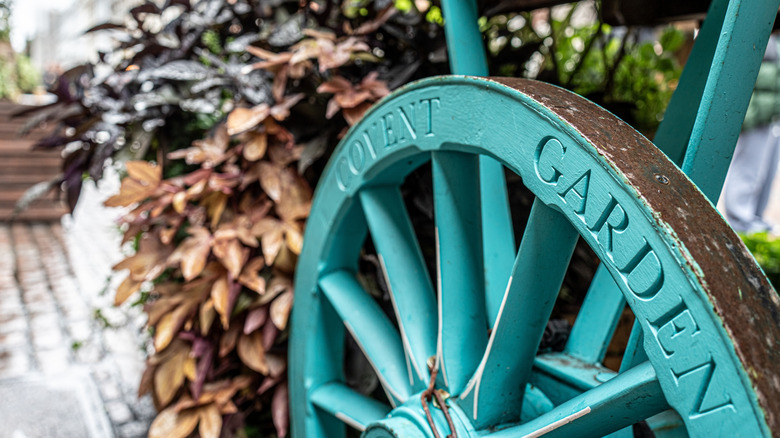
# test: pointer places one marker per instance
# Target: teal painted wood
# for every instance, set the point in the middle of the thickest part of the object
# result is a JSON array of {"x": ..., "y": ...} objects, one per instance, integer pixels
[
  {"x": 570, "y": 371},
  {"x": 535, "y": 403},
  {"x": 597, "y": 319},
  {"x": 635, "y": 351},
  {"x": 312, "y": 374},
  {"x": 392, "y": 428},
  {"x": 411, "y": 292},
  {"x": 698, "y": 132},
  {"x": 667, "y": 424},
  {"x": 700, "y": 127},
  {"x": 633, "y": 355},
  {"x": 347, "y": 405},
  {"x": 494, "y": 394},
  {"x": 373, "y": 332},
  {"x": 497, "y": 234},
  {"x": 465, "y": 47},
  {"x": 568, "y": 377},
  {"x": 674, "y": 132},
  {"x": 467, "y": 56},
  {"x": 461, "y": 287},
  {"x": 607, "y": 189},
  {"x": 626, "y": 432},
  {"x": 621, "y": 401},
  {"x": 409, "y": 421}
]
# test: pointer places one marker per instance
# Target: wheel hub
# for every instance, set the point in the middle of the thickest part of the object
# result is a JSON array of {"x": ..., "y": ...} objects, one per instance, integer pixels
[
  {"x": 409, "y": 421},
  {"x": 395, "y": 427}
]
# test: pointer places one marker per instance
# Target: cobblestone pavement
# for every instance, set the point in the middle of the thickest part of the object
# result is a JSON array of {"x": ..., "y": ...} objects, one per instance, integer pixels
[{"x": 65, "y": 353}]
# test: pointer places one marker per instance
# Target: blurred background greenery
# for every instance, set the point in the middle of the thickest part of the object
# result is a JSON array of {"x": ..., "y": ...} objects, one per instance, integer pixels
[{"x": 17, "y": 74}]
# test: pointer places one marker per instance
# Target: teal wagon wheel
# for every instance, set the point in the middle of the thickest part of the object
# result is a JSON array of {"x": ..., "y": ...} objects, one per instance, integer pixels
[{"x": 458, "y": 355}]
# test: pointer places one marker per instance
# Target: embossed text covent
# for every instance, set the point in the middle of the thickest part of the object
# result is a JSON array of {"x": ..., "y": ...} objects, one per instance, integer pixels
[{"x": 383, "y": 132}]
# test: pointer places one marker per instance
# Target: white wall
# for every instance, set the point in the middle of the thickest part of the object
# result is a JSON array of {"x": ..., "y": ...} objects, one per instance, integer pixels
[{"x": 55, "y": 29}]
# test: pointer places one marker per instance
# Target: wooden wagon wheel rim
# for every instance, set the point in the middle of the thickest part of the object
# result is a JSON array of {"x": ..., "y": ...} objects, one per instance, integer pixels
[{"x": 711, "y": 321}]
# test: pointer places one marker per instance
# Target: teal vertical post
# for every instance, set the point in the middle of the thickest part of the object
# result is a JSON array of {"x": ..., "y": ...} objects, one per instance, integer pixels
[
  {"x": 701, "y": 125},
  {"x": 730, "y": 83},
  {"x": 674, "y": 132},
  {"x": 703, "y": 121},
  {"x": 467, "y": 57},
  {"x": 464, "y": 40}
]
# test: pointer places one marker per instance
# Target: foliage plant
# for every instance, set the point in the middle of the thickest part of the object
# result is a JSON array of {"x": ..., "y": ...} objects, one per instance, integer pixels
[
  {"x": 220, "y": 110},
  {"x": 223, "y": 113},
  {"x": 630, "y": 71},
  {"x": 766, "y": 249},
  {"x": 17, "y": 74}
]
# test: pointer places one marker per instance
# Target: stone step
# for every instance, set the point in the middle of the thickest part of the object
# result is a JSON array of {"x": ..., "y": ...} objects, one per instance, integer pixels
[
  {"x": 15, "y": 180},
  {"x": 11, "y": 132},
  {"x": 43, "y": 213},
  {"x": 21, "y": 167},
  {"x": 18, "y": 145},
  {"x": 46, "y": 170},
  {"x": 20, "y": 186},
  {"x": 11, "y": 196}
]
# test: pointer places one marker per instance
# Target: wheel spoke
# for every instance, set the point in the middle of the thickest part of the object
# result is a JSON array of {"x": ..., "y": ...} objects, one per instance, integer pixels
[
  {"x": 351, "y": 407},
  {"x": 622, "y": 401},
  {"x": 402, "y": 262},
  {"x": 497, "y": 234},
  {"x": 668, "y": 421},
  {"x": 494, "y": 396},
  {"x": 568, "y": 371},
  {"x": 463, "y": 326},
  {"x": 668, "y": 424},
  {"x": 635, "y": 349},
  {"x": 633, "y": 355},
  {"x": 598, "y": 318},
  {"x": 324, "y": 335},
  {"x": 372, "y": 330},
  {"x": 626, "y": 432}
]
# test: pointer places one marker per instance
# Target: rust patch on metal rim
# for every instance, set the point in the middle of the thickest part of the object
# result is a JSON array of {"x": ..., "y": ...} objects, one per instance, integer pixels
[{"x": 739, "y": 292}]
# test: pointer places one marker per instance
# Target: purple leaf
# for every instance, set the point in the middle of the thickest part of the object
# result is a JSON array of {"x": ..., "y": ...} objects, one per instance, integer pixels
[
  {"x": 280, "y": 408},
  {"x": 255, "y": 319},
  {"x": 268, "y": 383},
  {"x": 200, "y": 346},
  {"x": 269, "y": 335},
  {"x": 235, "y": 291},
  {"x": 51, "y": 142},
  {"x": 73, "y": 190},
  {"x": 204, "y": 367}
]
